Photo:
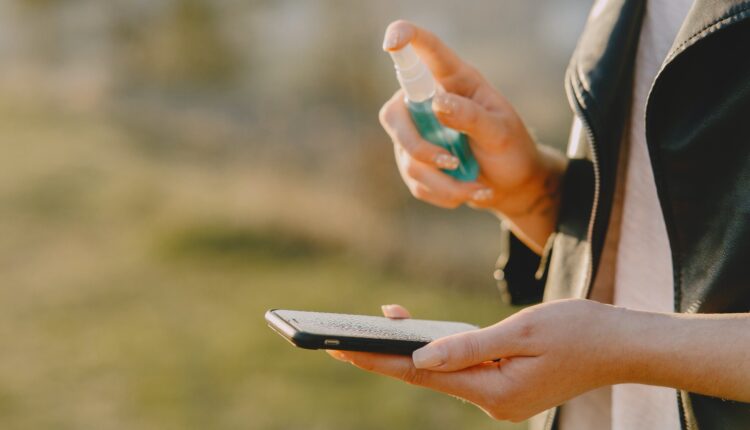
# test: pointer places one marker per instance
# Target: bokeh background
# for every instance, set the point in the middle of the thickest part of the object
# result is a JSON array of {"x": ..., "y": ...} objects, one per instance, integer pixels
[{"x": 171, "y": 169}]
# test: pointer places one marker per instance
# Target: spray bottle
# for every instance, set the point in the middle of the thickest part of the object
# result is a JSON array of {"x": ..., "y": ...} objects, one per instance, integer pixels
[{"x": 419, "y": 85}]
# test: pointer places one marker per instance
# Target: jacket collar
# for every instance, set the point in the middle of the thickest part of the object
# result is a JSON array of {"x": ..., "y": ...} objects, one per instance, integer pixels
[
  {"x": 603, "y": 60},
  {"x": 601, "y": 67},
  {"x": 706, "y": 17}
]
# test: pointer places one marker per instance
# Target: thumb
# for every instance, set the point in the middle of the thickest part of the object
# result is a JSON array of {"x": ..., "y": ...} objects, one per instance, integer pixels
[
  {"x": 468, "y": 116},
  {"x": 467, "y": 349}
]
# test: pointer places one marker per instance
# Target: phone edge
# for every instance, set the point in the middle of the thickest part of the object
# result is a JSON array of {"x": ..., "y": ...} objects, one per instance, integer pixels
[
  {"x": 306, "y": 340},
  {"x": 284, "y": 329}
]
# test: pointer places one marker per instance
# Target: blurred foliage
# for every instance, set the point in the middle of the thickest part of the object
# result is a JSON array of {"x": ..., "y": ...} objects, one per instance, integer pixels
[
  {"x": 226, "y": 243},
  {"x": 130, "y": 303},
  {"x": 181, "y": 47},
  {"x": 170, "y": 170}
]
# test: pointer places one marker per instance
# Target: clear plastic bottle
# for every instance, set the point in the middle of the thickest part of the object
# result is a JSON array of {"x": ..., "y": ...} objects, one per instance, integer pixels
[{"x": 419, "y": 85}]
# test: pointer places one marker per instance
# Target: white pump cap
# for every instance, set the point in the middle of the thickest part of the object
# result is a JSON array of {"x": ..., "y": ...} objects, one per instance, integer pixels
[{"x": 413, "y": 75}]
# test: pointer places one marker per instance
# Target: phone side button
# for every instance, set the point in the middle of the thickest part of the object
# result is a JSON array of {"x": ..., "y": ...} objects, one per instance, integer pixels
[{"x": 331, "y": 342}]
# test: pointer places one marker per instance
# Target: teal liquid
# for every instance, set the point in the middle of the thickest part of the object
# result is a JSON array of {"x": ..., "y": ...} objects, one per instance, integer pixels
[{"x": 453, "y": 141}]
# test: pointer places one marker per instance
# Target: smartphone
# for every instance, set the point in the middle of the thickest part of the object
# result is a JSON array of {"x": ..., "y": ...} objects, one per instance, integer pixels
[{"x": 319, "y": 330}]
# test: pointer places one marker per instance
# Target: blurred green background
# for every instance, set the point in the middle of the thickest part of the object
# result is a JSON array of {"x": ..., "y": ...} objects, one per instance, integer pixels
[{"x": 171, "y": 169}]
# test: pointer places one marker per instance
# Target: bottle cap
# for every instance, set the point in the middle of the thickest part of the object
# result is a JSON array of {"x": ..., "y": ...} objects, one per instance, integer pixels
[{"x": 413, "y": 75}]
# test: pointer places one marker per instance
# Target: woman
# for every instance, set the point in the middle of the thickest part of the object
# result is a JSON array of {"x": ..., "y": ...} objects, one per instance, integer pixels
[{"x": 649, "y": 211}]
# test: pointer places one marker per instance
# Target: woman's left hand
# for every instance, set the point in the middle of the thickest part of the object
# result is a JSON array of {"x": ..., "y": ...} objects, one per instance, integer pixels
[{"x": 549, "y": 353}]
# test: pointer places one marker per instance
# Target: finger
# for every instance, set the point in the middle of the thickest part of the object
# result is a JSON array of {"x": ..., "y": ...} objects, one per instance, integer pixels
[
  {"x": 464, "y": 350},
  {"x": 395, "y": 366},
  {"x": 469, "y": 384},
  {"x": 439, "y": 196},
  {"x": 485, "y": 127},
  {"x": 397, "y": 122},
  {"x": 471, "y": 193},
  {"x": 430, "y": 185},
  {"x": 484, "y": 197},
  {"x": 452, "y": 73},
  {"x": 395, "y": 311},
  {"x": 338, "y": 355}
]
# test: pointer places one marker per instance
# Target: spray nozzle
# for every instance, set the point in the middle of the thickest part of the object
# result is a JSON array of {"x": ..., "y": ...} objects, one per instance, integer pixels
[
  {"x": 413, "y": 75},
  {"x": 405, "y": 58}
]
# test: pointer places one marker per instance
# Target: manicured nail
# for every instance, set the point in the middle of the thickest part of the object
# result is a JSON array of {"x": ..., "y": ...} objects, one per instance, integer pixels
[
  {"x": 427, "y": 357},
  {"x": 395, "y": 312},
  {"x": 391, "y": 39},
  {"x": 445, "y": 161},
  {"x": 338, "y": 355},
  {"x": 443, "y": 104},
  {"x": 483, "y": 195},
  {"x": 388, "y": 310}
]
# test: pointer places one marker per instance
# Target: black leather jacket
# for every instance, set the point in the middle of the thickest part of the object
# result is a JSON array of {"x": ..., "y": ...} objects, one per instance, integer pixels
[{"x": 698, "y": 136}]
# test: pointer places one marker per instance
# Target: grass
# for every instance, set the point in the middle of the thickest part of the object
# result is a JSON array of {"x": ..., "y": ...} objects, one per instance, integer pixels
[{"x": 134, "y": 290}]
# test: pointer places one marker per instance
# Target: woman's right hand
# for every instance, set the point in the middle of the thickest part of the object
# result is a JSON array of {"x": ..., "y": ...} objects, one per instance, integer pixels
[{"x": 518, "y": 179}]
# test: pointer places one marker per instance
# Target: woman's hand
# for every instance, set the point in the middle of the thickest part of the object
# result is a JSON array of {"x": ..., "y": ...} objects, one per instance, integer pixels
[
  {"x": 518, "y": 179},
  {"x": 552, "y": 352},
  {"x": 549, "y": 353}
]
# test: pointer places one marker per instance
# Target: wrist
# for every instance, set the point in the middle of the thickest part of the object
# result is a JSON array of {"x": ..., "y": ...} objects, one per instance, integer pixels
[
  {"x": 532, "y": 208},
  {"x": 540, "y": 192},
  {"x": 641, "y": 347},
  {"x": 704, "y": 354},
  {"x": 611, "y": 344}
]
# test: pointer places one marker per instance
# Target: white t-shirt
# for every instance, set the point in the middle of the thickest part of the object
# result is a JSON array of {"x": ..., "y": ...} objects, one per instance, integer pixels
[{"x": 636, "y": 261}]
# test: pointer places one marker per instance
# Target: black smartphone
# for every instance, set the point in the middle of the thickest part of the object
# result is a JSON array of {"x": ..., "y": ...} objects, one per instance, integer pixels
[{"x": 319, "y": 330}]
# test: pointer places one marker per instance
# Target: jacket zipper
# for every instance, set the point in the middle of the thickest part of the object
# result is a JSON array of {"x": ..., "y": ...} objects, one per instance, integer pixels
[
  {"x": 597, "y": 183},
  {"x": 550, "y": 419},
  {"x": 594, "y": 210}
]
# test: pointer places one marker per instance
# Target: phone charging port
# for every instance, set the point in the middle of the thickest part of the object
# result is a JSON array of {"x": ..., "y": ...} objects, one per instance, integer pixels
[{"x": 331, "y": 342}]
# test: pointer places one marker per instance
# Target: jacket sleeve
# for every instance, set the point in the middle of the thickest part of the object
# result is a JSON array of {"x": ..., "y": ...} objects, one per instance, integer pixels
[
  {"x": 520, "y": 273},
  {"x": 515, "y": 271}
]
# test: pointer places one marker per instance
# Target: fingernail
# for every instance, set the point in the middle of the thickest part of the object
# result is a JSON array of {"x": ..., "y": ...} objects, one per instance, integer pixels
[
  {"x": 443, "y": 104},
  {"x": 483, "y": 195},
  {"x": 391, "y": 39},
  {"x": 338, "y": 355},
  {"x": 427, "y": 357},
  {"x": 445, "y": 161},
  {"x": 387, "y": 309}
]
